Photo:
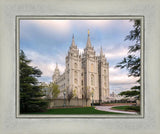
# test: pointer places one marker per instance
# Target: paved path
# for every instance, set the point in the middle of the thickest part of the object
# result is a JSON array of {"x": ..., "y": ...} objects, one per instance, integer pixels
[{"x": 108, "y": 109}]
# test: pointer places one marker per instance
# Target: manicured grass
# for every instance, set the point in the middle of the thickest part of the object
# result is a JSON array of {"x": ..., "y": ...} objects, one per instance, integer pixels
[
  {"x": 127, "y": 108},
  {"x": 84, "y": 110}
]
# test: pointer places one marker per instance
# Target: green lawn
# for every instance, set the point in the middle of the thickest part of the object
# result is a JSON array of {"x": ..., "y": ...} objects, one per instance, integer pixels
[
  {"x": 127, "y": 108},
  {"x": 84, "y": 110}
]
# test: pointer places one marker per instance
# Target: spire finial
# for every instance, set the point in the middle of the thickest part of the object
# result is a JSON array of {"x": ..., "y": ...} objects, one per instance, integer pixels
[
  {"x": 88, "y": 41},
  {"x": 56, "y": 65},
  {"x": 73, "y": 43}
]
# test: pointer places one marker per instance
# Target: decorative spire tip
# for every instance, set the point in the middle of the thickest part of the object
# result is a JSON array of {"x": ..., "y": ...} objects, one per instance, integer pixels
[{"x": 88, "y": 32}]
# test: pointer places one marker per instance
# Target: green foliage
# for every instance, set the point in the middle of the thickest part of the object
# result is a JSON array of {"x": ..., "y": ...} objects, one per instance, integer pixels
[
  {"x": 130, "y": 93},
  {"x": 132, "y": 62},
  {"x": 84, "y": 110},
  {"x": 127, "y": 108},
  {"x": 74, "y": 93},
  {"x": 135, "y": 87},
  {"x": 135, "y": 35},
  {"x": 30, "y": 91},
  {"x": 44, "y": 88},
  {"x": 54, "y": 90}
]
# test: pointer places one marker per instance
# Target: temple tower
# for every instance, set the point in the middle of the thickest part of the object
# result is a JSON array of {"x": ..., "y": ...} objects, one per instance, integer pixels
[
  {"x": 73, "y": 70},
  {"x": 90, "y": 67},
  {"x": 103, "y": 70}
]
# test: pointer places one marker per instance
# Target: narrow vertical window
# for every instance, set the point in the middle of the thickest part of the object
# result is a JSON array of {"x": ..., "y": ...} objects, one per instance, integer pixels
[
  {"x": 92, "y": 67},
  {"x": 92, "y": 79}
]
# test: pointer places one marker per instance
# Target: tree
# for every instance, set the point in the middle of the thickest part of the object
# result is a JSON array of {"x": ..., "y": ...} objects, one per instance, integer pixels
[
  {"x": 44, "y": 87},
  {"x": 129, "y": 93},
  {"x": 87, "y": 95},
  {"x": 75, "y": 93},
  {"x": 69, "y": 96},
  {"x": 54, "y": 90},
  {"x": 30, "y": 91},
  {"x": 133, "y": 62}
]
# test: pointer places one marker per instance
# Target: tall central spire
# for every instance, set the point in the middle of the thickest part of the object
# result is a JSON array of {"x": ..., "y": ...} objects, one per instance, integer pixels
[
  {"x": 73, "y": 42},
  {"x": 88, "y": 41}
]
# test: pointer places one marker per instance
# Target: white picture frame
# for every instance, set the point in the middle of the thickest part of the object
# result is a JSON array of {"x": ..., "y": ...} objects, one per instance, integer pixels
[{"x": 9, "y": 123}]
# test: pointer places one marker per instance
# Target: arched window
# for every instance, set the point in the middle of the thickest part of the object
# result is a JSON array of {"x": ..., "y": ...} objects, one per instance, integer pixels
[
  {"x": 92, "y": 79},
  {"x": 75, "y": 81},
  {"x": 104, "y": 71},
  {"x": 92, "y": 67},
  {"x": 75, "y": 65}
]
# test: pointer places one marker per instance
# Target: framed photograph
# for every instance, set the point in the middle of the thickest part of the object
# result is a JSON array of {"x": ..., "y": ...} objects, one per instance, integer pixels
[
  {"x": 99, "y": 77},
  {"x": 79, "y": 67}
]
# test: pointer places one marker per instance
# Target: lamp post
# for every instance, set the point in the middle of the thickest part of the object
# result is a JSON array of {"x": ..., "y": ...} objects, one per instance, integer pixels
[
  {"x": 64, "y": 98},
  {"x": 92, "y": 98}
]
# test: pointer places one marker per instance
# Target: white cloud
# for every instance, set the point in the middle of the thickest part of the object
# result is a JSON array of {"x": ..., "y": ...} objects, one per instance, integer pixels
[
  {"x": 114, "y": 54},
  {"x": 45, "y": 63},
  {"x": 113, "y": 70},
  {"x": 122, "y": 79},
  {"x": 117, "y": 76},
  {"x": 81, "y": 50}
]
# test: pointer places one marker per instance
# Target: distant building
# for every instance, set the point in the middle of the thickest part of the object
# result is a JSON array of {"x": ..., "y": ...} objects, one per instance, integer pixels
[
  {"x": 84, "y": 74},
  {"x": 114, "y": 96}
]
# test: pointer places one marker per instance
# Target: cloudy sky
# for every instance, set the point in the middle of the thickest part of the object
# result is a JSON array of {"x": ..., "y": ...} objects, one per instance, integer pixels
[{"x": 46, "y": 42}]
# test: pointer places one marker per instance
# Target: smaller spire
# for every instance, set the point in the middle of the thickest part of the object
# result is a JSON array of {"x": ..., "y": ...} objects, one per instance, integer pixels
[
  {"x": 101, "y": 52},
  {"x": 56, "y": 73},
  {"x": 56, "y": 69},
  {"x": 88, "y": 32},
  {"x": 56, "y": 65}
]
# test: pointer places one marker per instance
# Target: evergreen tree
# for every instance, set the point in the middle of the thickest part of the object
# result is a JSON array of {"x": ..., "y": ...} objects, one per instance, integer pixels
[
  {"x": 132, "y": 62},
  {"x": 30, "y": 91}
]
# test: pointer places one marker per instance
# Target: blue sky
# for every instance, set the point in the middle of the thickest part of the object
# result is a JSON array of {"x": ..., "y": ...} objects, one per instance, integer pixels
[{"x": 46, "y": 42}]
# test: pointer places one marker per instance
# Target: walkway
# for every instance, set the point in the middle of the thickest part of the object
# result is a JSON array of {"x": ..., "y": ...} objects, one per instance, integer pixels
[{"x": 108, "y": 109}]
